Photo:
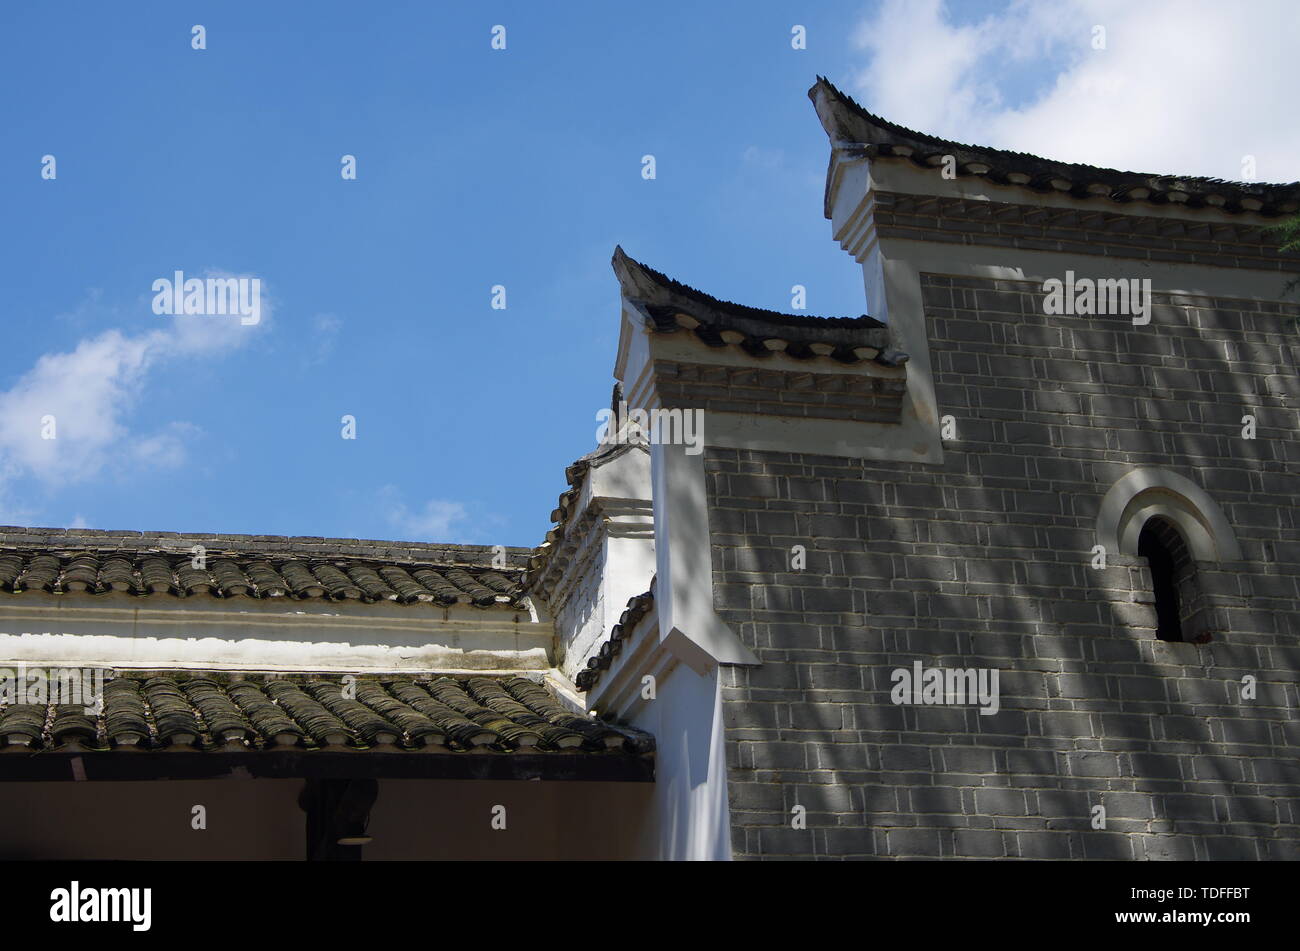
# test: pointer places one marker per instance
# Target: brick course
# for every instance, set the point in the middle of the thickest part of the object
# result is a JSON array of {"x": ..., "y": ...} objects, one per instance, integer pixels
[
  {"x": 814, "y": 394},
  {"x": 1087, "y": 229}
]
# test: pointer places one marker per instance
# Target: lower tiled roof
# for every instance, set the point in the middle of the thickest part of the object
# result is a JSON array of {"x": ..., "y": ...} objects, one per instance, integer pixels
[{"x": 212, "y": 711}]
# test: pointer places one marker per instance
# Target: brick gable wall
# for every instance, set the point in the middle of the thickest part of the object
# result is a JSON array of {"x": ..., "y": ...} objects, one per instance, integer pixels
[{"x": 983, "y": 561}]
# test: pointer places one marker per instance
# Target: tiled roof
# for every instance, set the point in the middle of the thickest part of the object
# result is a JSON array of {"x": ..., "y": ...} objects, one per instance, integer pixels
[
  {"x": 575, "y": 475},
  {"x": 637, "y": 608},
  {"x": 848, "y": 123},
  {"x": 265, "y": 567},
  {"x": 674, "y": 307},
  {"x": 211, "y": 711}
]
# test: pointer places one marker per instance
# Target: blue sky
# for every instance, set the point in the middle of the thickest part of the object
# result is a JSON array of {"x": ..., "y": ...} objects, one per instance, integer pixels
[{"x": 475, "y": 167}]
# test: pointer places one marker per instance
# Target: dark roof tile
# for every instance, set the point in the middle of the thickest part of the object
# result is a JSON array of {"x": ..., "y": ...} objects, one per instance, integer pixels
[
  {"x": 418, "y": 727},
  {"x": 220, "y": 715},
  {"x": 455, "y": 695},
  {"x": 455, "y": 726},
  {"x": 266, "y": 581},
  {"x": 22, "y": 723},
  {"x": 321, "y": 725},
  {"x": 117, "y": 574},
  {"x": 40, "y": 572},
  {"x": 441, "y": 589},
  {"x": 369, "y": 581},
  {"x": 269, "y": 721},
  {"x": 365, "y": 721},
  {"x": 637, "y": 608},
  {"x": 126, "y": 719},
  {"x": 70, "y": 722},
  {"x": 173, "y": 718},
  {"x": 339, "y": 585}
]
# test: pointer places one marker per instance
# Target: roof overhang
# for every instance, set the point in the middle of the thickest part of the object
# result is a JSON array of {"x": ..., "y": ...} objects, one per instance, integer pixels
[
  {"x": 856, "y": 133},
  {"x": 93, "y": 766}
]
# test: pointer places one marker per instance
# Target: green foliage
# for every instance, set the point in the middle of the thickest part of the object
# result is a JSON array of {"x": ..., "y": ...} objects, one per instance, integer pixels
[{"x": 1289, "y": 234}]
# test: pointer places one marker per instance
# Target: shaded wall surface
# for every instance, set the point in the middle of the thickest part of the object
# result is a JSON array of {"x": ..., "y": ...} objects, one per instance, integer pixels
[
  {"x": 260, "y": 819},
  {"x": 984, "y": 562}
]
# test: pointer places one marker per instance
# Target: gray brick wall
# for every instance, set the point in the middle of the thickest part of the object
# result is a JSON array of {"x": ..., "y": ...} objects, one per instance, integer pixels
[
  {"x": 740, "y": 389},
  {"x": 983, "y": 562}
]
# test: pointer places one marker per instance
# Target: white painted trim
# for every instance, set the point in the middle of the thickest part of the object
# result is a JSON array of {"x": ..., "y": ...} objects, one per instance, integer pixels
[
  {"x": 688, "y": 624},
  {"x": 822, "y": 437},
  {"x": 617, "y": 692},
  {"x": 691, "y": 818},
  {"x": 1147, "y": 492},
  {"x": 185, "y": 653},
  {"x": 893, "y": 297},
  {"x": 566, "y": 692},
  {"x": 633, "y": 366},
  {"x": 118, "y": 629}
]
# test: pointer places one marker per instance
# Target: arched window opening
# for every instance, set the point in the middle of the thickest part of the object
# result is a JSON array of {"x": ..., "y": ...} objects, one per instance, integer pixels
[
  {"x": 1173, "y": 581},
  {"x": 1173, "y": 525}
]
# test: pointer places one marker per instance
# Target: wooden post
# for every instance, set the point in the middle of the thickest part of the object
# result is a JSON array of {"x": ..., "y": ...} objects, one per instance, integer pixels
[{"x": 338, "y": 811}]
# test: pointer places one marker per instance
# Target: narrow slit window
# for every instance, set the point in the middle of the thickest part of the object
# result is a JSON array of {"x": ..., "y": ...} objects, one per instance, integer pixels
[{"x": 1173, "y": 579}]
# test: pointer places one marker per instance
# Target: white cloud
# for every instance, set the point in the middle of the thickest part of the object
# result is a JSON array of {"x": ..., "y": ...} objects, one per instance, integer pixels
[
  {"x": 79, "y": 398},
  {"x": 84, "y": 398},
  {"x": 13, "y": 510},
  {"x": 325, "y": 329},
  {"x": 1183, "y": 86},
  {"x": 165, "y": 449},
  {"x": 432, "y": 523},
  {"x": 921, "y": 66},
  {"x": 762, "y": 157}
]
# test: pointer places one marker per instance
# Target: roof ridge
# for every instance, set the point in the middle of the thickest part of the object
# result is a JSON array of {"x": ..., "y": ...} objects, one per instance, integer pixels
[
  {"x": 671, "y": 306},
  {"x": 890, "y": 134},
  {"x": 250, "y": 554},
  {"x": 23, "y": 537},
  {"x": 641, "y": 277}
]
